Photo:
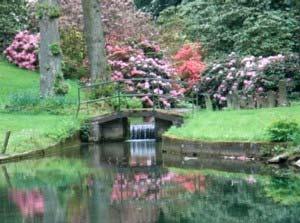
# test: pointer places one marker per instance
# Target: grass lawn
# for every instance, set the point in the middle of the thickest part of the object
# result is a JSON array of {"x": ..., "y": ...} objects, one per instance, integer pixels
[
  {"x": 240, "y": 125},
  {"x": 31, "y": 131}
]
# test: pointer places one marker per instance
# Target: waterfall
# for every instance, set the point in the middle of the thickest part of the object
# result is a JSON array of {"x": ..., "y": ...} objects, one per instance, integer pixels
[{"x": 142, "y": 132}]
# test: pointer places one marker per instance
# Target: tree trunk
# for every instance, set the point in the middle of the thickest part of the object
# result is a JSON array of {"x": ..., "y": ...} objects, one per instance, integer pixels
[
  {"x": 94, "y": 39},
  {"x": 50, "y": 63}
]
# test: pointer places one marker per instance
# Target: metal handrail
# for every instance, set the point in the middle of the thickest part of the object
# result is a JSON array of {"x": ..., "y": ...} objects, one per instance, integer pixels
[
  {"x": 133, "y": 79},
  {"x": 119, "y": 94}
]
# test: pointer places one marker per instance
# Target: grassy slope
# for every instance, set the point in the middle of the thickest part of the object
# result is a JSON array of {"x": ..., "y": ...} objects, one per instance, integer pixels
[
  {"x": 30, "y": 131},
  {"x": 244, "y": 125}
]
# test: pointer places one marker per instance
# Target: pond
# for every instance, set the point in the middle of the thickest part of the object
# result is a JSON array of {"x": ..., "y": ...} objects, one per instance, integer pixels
[{"x": 136, "y": 183}]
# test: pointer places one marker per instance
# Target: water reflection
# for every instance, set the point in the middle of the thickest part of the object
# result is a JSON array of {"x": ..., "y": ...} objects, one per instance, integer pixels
[
  {"x": 142, "y": 153},
  {"x": 30, "y": 203},
  {"x": 133, "y": 183}
]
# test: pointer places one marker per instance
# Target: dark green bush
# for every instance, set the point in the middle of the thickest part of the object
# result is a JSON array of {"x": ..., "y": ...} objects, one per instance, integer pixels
[
  {"x": 259, "y": 28},
  {"x": 13, "y": 18},
  {"x": 283, "y": 131},
  {"x": 155, "y": 6}
]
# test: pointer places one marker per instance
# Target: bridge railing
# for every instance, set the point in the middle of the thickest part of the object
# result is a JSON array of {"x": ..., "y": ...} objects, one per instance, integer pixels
[{"x": 117, "y": 91}]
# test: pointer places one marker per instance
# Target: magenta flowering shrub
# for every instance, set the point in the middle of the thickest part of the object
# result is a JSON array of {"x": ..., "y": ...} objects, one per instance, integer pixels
[
  {"x": 249, "y": 77},
  {"x": 145, "y": 60},
  {"x": 23, "y": 50}
]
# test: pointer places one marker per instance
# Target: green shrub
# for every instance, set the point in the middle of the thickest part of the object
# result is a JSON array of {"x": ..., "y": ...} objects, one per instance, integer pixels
[
  {"x": 74, "y": 53},
  {"x": 13, "y": 19},
  {"x": 283, "y": 131}
]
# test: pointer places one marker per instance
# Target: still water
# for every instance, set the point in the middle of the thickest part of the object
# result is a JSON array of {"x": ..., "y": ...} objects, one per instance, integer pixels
[{"x": 136, "y": 183}]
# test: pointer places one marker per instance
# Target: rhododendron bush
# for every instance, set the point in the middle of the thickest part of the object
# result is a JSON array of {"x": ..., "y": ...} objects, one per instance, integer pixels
[
  {"x": 189, "y": 64},
  {"x": 144, "y": 60},
  {"x": 249, "y": 77},
  {"x": 23, "y": 50}
]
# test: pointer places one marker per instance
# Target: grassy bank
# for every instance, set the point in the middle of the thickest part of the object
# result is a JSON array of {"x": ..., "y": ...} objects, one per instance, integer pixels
[
  {"x": 240, "y": 125},
  {"x": 36, "y": 127},
  {"x": 36, "y": 131}
]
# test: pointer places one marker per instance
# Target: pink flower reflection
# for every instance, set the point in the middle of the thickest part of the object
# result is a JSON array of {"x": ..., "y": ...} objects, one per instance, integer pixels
[
  {"x": 31, "y": 203},
  {"x": 143, "y": 186}
]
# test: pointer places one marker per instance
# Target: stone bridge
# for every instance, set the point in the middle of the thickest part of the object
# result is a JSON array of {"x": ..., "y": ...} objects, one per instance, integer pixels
[{"x": 115, "y": 126}]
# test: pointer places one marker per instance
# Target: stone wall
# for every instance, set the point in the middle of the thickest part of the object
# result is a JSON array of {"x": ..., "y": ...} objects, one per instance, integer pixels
[{"x": 269, "y": 100}]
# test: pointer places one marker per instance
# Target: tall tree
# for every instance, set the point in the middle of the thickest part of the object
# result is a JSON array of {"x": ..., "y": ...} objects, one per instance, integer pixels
[
  {"x": 94, "y": 39},
  {"x": 50, "y": 56}
]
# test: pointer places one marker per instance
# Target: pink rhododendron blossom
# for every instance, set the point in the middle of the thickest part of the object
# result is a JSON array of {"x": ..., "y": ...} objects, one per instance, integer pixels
[
  {"x": 143, "y": 60},
  {"x": 249, "y": 77},
  {"x": 23, "y": 50}
]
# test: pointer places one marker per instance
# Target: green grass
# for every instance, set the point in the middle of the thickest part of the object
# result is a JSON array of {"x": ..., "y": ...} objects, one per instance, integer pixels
[
  {"x": 15, "y": 80},
  {"x": 36, "y": 130},
  {"x": 240, "y": 125}
]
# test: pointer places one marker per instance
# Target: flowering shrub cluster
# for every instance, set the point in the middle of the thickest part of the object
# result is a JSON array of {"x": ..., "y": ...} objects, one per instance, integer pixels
[
  {"x": 249, "y": 77},
  {"x": 144, "y": 60},
  {"x": 120, "y": 19},
  {"x": 189, "y": 65},
  {"x": 23, "y": 50}
]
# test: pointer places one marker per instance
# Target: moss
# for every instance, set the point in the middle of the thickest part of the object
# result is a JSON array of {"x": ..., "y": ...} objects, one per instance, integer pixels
[{"x": 55, "y": 49}]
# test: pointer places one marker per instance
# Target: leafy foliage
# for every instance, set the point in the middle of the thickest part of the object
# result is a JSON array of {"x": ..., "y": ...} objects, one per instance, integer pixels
[
  {"x": 283, "y": 131},
  {"x": 259, "y": 28}
]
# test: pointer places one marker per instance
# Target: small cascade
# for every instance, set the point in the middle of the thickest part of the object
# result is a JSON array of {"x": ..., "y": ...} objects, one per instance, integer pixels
[{"x": 142, "y": 132}]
